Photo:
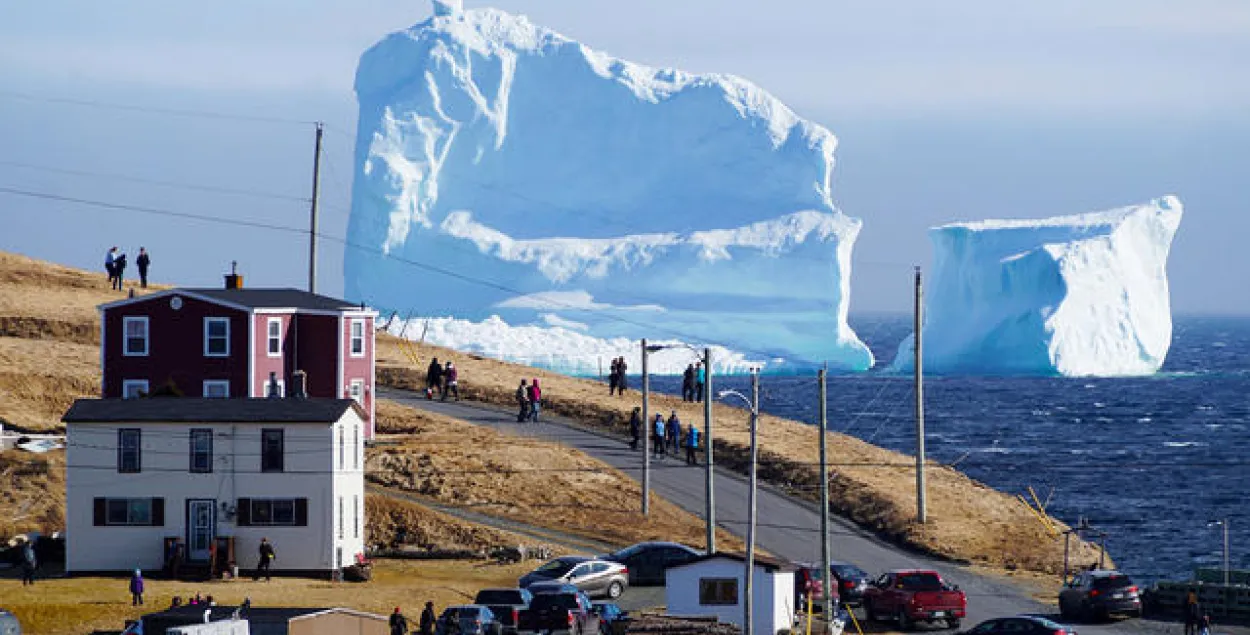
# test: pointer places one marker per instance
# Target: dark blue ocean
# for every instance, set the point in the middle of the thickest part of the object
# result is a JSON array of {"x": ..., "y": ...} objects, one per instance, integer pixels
[{"x": 1149, "y": 460}]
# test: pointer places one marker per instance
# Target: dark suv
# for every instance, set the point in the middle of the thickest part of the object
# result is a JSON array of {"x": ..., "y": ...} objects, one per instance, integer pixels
[{"x": 1099, "y": 594}]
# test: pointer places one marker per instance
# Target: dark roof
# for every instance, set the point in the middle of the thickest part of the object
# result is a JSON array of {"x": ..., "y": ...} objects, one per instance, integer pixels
[
  {"x": 186, "y": 409},
  {"x": 276, "y": 299},
  {"x": 770, "y": 564}
]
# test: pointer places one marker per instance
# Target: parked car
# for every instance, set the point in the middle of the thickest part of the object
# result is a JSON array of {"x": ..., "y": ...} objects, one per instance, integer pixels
[
  {"x": 647, "y": 561},
  {"x": 914, "y": 595},
  {"x": 1020, "y": 625},
  {"x": 1099, "y": 594},
  {"x": 9, "y": 624},
  {"x": 468, "y": 619},
  {"x": 539, "y": 588},
  {"x": 612, "y": 620},
  {"x": 559, "y": 614},
  {"x": 596, "y": 577},
  {"x": 852, "y": 582},
  {"x": 808, "y": 580},
  {"x": 506, "y": 604}
]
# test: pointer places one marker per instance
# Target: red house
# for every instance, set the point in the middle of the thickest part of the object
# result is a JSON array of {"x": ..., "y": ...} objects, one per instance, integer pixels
[{"x": 232, "y": 342}]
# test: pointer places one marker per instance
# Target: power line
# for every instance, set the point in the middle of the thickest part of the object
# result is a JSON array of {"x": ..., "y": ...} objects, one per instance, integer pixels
[
  {"x": 146, "y": 181},
  {"x": 174, "y": 112}
]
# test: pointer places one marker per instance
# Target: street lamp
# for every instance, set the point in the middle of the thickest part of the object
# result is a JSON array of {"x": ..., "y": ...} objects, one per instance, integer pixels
[
  {"x": 709, "y": 463},
  {"x": 1224, "y": 524},
  {"x": 754, "y": 404}
]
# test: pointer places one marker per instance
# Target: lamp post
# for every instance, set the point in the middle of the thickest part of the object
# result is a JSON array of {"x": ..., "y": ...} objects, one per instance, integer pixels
[
  {"x": 1224, "y": 525},
  {"x": 754, "y": 404}
]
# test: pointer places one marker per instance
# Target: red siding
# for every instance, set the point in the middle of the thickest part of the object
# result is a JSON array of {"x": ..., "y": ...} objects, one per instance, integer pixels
[
  {"x": 359, "y": 367},
  {"x": 316, "y": 353},
  {"x": 175, "y": 347},
  {"x": 266, "y": 364}
]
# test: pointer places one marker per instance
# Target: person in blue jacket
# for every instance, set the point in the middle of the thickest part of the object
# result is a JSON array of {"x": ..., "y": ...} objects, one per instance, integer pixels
[
  {"x": 700, "y": 380},
  {"x": 673, "y": 430},
  {"x": 692, "y": 444},
  {"x": 657, "y": 435}
]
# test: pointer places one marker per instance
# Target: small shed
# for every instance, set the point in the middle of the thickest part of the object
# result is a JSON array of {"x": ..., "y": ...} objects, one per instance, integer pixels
[
  {"x": 339, "y": 622},
  {"x": 714, "y": 585}
]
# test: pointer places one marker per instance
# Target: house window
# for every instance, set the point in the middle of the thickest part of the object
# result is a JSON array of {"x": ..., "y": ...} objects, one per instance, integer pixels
[
  {"x": 134, "y": 388},
  {"x": 272, "y": 512},
  {"x": 201, "y": 450},
  {"x": 216, "y": 389},
  {"x": 132, "y": 512},
  {"x": 271, "y": 442},
  {"x": 718, "y": 591},
  {"x": 358, "y": 338},
  {"x": 216, "y": 337},
  {"x": 275, "y": 337},
  {"x": 128, "y": 451},
  {"x": 340, "y": 518},
  {"x": 342, "y": 447},
  {"x": 356, "y": 513},
  {"x": 356, "y": 390},
  {"x": 135, "y": 334},
  {"x": 355, "y": 447}
]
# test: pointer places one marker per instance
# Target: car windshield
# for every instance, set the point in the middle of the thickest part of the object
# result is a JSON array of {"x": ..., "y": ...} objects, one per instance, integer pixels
[
  {"x": 848, "y": 571},
  {"x": 554, "y": 600},
  {"x": 920, "y": 582},
  {"x": 1112, "y": 582},
  {"x": 499, "y": 596},
  {"x": 556, "y": 568}
]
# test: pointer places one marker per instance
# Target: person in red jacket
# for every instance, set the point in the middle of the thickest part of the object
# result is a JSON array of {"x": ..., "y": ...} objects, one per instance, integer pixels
[{"x": 536, "y": 399}]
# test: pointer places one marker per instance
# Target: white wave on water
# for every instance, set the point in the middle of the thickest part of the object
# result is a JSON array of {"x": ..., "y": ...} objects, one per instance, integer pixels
[{"x": 1186, "y": 444}]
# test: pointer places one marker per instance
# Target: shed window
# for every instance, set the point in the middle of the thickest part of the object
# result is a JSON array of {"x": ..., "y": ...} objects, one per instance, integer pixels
[{"x": 718, "y": 591}]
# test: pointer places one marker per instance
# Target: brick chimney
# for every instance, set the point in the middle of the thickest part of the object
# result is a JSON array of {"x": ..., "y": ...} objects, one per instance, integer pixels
[{"x": 234, "y": 279}]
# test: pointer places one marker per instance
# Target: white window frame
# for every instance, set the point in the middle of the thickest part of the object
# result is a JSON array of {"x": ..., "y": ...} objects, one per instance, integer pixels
[
  {"x": 356, "y": 390},
  {"x": 213, "y": 320},
  {"x": 140, "y": 384},
  {"x": 352, "y": 338},
  {"x": 214, "y": 383},
  {"x": 269, "y": 336},
  {"x": 147, "y": 334}
]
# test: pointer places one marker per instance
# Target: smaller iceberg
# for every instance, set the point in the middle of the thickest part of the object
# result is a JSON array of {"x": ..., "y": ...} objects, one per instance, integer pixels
[{"x": 1083, "y": 295}]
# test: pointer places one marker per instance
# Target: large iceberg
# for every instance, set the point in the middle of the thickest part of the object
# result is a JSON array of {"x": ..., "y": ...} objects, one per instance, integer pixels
[
  {"x": 503, "y": 169},
  {"x": 1082, "y": 295}
]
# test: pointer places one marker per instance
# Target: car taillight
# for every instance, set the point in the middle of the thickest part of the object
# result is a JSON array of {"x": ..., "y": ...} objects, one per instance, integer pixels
[
  {"x": 1094, "y": 593},
  {"x": 570, "y": 618},
  {"x": 624, "y": 570},
  {"x": 516, "y": 616},
  {"x": 1132, "y": 589},
  {"x": 847, "y": 584}
]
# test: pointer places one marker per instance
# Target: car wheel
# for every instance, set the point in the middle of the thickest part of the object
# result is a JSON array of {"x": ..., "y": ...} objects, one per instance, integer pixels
[
  {"x": 953, "y": 623},
  {"x": 615, "y": 589},
  {"x": 869, "y": 613},
  {"x": 904, "y": 621}
]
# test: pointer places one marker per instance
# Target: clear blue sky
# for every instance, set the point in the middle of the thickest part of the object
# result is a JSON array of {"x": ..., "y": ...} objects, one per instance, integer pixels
[{"x": 950, "y": 110}]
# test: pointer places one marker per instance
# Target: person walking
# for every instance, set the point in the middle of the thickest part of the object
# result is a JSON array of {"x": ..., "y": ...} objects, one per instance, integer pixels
[
  {"x": 657, "y": 435},
  {"x": 692, "y": 444},
  {"x": 143, "y": 262},
  {"x": 109, "y": 258},
  {"x": 119, "y": 268},
  {"x": 136, "y": 588},
  {"x": 612, "y": 376},
  {"x": 622, "y": 384},
  {"x": 523, "y": 401},
  {"x": 700, "y": 379},
  {"x": 687, "y": 383},
  {"x": 398, "y": 623},
  {"x": 29, "y": 563},
  {"x": 635, "y": 428},
  {"x": 536, "y": 399},
  {"x": 433, "y": 379},
  {"x": 267, "y": 556},
  {"x": 673, "y": 430},
  {"x": 428, "y": 620},
  {"x": 1193, "y": 613},
  {"x": 451, "y": 381},
  {"x": 1204, "y": 625}
]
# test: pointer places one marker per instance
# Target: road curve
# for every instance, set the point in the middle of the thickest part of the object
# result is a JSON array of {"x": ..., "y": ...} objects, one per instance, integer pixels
[{"x": 786, "y": 526}]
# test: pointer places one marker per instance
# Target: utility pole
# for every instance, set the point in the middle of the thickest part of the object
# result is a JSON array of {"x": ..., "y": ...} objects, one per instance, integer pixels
[
  {"x": 708, "y": 470},
  {"x": 646, "y": 436},
  {"x": 922, "y": 515},
  {"x": 824, "y": 505},
  {"x": 312, "y": 225},
  {"x": 747, "y": 627}
]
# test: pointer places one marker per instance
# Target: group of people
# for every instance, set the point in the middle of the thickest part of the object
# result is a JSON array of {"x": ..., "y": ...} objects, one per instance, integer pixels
[
  {"x": 1196, "y": 622},
  {"x": 399, "y": 622},
  {"x": 444, "y": 379},
  {"x": 665, "y": 435},
  {"x": 693, "y": 382},
  {"x": 529, "y": 398},
  {"x": 201, "y": 600},
  {"x": 115, "y": 266},
  {"x": 617, "y": 384}
]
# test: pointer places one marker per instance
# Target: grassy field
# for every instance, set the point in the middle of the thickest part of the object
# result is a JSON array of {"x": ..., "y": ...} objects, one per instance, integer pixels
[{"x": 74, "y": 606}]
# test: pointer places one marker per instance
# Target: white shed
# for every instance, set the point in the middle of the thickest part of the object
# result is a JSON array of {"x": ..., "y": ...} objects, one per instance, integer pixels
[{"x": 714, "y": 585}]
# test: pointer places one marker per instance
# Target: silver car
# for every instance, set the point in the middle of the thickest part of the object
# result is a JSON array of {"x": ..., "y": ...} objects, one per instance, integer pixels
[{"x": 600, "y": 578}]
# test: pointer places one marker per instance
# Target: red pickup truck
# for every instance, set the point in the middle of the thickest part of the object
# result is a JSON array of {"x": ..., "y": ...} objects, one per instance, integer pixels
[{"x": 910, "y": 595}]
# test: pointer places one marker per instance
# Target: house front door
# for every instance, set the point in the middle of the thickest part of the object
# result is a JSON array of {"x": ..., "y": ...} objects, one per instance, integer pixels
[{"x": 201, "y": 528}]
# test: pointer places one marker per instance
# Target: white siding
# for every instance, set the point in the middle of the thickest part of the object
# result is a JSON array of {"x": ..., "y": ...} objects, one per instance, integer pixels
[
  {"x": 310, "y": 459},
  {"x": 773, "y": 593}
]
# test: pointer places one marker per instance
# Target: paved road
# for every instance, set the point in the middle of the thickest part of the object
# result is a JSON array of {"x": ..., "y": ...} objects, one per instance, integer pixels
[{"x": 786, "y": 527}]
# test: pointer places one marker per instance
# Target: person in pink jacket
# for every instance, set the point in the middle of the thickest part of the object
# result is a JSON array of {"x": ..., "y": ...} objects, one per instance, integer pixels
[{"x": 536, "y": 399}]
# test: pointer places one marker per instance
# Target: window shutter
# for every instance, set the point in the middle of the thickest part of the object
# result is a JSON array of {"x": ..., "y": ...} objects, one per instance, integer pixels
[
  {"x": 158, "y": 512},
  {"x": 301, "y": 512},
  {"x": 100, "y": 513},
  {"x": 243, "y": 512}
]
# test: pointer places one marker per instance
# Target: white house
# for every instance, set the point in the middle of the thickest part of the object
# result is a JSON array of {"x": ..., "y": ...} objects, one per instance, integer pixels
[
  {"x": 714, "y": 585},
  {"x": 216, "y": 476}
]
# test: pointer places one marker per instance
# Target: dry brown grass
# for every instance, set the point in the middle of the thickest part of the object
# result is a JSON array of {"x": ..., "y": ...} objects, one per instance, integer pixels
[
  {"x": 533, "y": 481},
  {"x": 72, "y": 606},
  {"x": 386, "y": 519},
  {"x": 40, "y": 378},
  {"x": 875, "y": 487},
  {"x": 32, "y": 492}
]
